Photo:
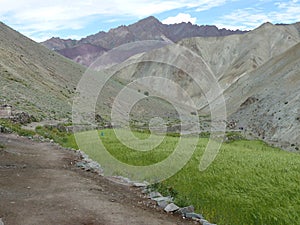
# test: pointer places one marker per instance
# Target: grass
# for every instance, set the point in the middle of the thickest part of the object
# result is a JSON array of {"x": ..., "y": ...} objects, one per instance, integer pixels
[
  {"x": 66, "y": 140},
  {"x": 249, "y": 183},
  {"x": 16, "y": 127}
]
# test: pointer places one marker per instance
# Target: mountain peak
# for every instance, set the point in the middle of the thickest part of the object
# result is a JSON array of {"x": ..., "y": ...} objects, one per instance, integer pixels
[
  {"x": 149, "y": 19},
  {"x": 266, "y": 24}
]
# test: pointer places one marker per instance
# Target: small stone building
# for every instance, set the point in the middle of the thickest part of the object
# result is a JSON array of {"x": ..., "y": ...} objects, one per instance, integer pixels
[{"x": 5, "y": 111}]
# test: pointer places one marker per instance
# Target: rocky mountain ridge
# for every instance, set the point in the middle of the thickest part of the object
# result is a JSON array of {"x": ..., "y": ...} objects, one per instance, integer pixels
[{"x": 146, "y": 29}]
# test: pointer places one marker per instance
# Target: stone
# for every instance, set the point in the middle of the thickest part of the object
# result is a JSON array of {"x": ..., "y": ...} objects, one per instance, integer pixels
[
  {"x": 80, "y": 164},
  {"x": 188, "y": 209},
  {"x": 171, "y": 208},
  {"x": 154, "y": 194},
  {"x": 1, "y": 222},
  {"x": 163, "y": 204},
  {"x": 158, "y": 199},
  {"x": 193, "y": 215},
  {"x": 5, "y": 129},
  {"x": 23, "y": 118},
  {"x": 205, "y": 222},
  {"x": 140, "y": 185},
  {"x": 145, "y": 191},
  {"x": 125, "y": 179}
]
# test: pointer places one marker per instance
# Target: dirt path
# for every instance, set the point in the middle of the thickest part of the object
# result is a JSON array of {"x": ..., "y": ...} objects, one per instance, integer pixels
[{"x": 39, "y": 184}]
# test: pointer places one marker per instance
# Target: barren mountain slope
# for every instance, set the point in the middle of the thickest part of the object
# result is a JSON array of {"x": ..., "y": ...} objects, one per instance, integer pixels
[
  {"x": 232, "y": 56},
  {"x": 35, "y": 79},
  {"x": 266, "y": 102},
  {"x": 228, "y": 58}
]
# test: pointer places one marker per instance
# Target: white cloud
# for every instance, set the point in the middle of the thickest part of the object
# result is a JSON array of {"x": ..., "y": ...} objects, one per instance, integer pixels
[
  {"x": 207, "y": 4},
  {"x": 35, "y": 16},
  {"x": 250, "y": 18},
  {"x": 181, "y": 17}
]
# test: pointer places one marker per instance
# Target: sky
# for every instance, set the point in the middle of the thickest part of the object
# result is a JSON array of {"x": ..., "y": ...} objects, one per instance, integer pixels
[{"x": 41, "y": 20}]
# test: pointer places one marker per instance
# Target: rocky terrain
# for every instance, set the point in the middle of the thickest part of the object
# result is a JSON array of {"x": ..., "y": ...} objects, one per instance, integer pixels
[{"x": 86, "y": 50}]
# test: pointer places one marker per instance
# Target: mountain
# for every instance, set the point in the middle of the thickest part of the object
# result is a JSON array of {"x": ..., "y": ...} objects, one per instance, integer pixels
[
  {"x": 42, "y": 83},
  {"x": 35, "y": 79},
  {"x": 258, "y": 73},
  {"x": 146, "y": 29}
]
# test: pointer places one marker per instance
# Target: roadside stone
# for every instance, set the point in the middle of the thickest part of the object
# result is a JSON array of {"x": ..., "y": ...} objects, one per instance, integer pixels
[
  {"x": 163, "y": 204},
  {"x": 140, "y": 185},
  {"x": 154, "y": 194},
  {"x": 124, "y": 179},
  {"x": 188, "y": 209},
  {"x": 193, "y": 215},
  {"x": 145, "y": 191},
  {"x": 171, "y": 208},
  {"x": 158, "y": 199},
  {"x": 80, "y": 164},
  {"x": 205, "y": 222}
]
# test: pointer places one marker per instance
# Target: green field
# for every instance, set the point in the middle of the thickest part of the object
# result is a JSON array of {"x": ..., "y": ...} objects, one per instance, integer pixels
[{"x": 248, "y": 183}]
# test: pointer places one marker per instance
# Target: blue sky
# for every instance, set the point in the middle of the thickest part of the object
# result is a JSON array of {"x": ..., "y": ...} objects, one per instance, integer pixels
[{"x": 41, "y": 20}]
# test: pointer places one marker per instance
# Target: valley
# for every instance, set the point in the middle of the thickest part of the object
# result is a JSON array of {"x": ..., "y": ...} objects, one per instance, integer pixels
[{"x": 208, "y": 116}]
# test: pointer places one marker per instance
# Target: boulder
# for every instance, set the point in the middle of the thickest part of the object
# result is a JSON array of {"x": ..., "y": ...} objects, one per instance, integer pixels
[
  {"x": 185, "y": 210},
  {"x": 154, "y": 194},
  {"x": 171, "y": 208}
]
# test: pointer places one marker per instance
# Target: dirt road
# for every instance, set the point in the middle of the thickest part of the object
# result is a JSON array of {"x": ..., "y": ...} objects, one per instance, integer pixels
[{"x": 39, "y": 184}]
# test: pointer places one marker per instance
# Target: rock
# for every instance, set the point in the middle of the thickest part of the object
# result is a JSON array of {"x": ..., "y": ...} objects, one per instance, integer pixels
[
  {"x": 1, "y": 222},
  {"x": 140, "y": 185},
  {"x": 188, "y": 209},
  {"x": 163, "y": 204},
  {"x": 23, "y": 118},
  {"x": 124, "y": 179},
  {"x": 80, "y": 164},
  {"x": 154, "y": 194},
  {"x": 171, "y": 208},
  {"x": 158, "y": 199},
  {"x": 145, "y": 191},
  {"x": 193, "y": 215},
  {"x": 205, "y": 222},
  {"x": 5, "y": 130}
]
